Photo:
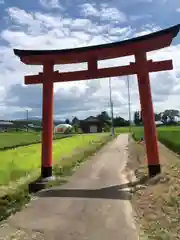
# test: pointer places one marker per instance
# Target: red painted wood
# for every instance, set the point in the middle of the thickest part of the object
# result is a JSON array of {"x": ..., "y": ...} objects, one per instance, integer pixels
[
  {"x": 92, "y": 73},
  {"x": 147, "y": 109},
  {"x": 47, "y": 133},
  {"x": 92, "y": 68},
  {"x": 101, "y": 53},
  {"x": 160, "y": 65}
]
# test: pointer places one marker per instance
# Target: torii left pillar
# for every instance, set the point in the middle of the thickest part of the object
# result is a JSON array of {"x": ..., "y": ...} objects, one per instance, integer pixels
[{"x": 47, "y": 114}]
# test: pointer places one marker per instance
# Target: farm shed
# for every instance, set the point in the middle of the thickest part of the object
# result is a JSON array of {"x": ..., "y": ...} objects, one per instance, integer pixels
[
  {"x": 91, "y": 125},
  {"x": 5, "y": 126}
]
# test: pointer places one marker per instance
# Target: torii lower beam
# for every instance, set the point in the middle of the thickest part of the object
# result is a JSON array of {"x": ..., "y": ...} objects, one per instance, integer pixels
[
  {"x": 99, "y": 73},
  {"x": 137, "y": 47}
]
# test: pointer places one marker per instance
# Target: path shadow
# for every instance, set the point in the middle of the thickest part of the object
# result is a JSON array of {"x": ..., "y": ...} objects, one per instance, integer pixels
[
  {"x": 112, "y": 192},
  {"x": 38, "y": 185}
]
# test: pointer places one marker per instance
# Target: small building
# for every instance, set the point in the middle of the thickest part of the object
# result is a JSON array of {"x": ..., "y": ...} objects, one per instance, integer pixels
[
  {"x": 5, "y": 126},
  {"x": 91, "y": 125}
]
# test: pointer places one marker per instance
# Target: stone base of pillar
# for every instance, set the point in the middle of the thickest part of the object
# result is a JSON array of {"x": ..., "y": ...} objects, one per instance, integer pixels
[
  {"x": 42, "y": 182},
  {"x": 46, "y": 172},
  {"x": 154, "y": 170}
]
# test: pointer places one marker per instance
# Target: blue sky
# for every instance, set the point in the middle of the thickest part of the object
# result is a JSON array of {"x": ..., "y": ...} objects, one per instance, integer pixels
[{"x": 54, "y": 24}]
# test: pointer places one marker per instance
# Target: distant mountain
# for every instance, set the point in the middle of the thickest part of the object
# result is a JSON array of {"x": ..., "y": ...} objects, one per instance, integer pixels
[
  {"x": 29, "y": 119},
  {"x": 35, "y": 121},
  {"x": 57, "y": 122}
]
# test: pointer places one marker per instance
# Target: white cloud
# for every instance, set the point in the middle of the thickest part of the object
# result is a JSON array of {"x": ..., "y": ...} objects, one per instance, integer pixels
[
  {"x": 123, "y": 33},
  {"x": 2, "y": 2},
  {"x": 20, "y": 16},
  {"x": 113, "y": 14},
  {"x": 88, "y": 9},
  {"x": 178, "y": 10},
  {"x": 103, "y": 13},
  {"x": 45, "y": 31},
  {"x": 50, "y": 4},
  {"x": 147, "y": 29}
]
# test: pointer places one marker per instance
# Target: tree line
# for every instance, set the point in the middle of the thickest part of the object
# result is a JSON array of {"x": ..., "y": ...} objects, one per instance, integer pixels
[
  {"x": 104, "y": 117},
  {"x": 167, "y": 117}
]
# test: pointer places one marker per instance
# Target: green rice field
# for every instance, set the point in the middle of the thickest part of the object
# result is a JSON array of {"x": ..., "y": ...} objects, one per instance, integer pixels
[
  {"x": 168, "y": 135},
  {"x": 18, "y": 162},
  {"x": 15, "y": 139}
]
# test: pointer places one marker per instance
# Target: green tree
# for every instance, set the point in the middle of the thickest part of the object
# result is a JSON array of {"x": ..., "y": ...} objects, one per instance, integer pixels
[
  {"x": 120, "y": 122},
  {"x": 168, "y": 116},
  {"x": 104, "y": 117},
  {"x": 164, "y": 118},
  {"x": 137, "y": 120},
  {"x": 75, "y": 121},
  {"x": 171, "y": 114},
  {"x": 67, "y": 121},
  {"x": 157, "y": 116}
]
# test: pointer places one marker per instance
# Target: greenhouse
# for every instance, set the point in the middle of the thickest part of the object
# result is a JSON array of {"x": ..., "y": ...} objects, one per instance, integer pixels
[{"x": 62, "y": 128}]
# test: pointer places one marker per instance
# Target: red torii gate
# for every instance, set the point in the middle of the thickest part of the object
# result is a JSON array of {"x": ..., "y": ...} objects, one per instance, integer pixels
[{"x": 137, "y": 46}]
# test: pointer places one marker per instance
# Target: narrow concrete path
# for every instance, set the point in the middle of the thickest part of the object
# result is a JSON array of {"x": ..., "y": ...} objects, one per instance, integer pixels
[{"x": 93, "y": 205}]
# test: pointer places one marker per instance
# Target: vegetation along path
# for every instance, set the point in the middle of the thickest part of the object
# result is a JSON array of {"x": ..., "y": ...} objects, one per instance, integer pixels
[{"x": 94, "y": 204}]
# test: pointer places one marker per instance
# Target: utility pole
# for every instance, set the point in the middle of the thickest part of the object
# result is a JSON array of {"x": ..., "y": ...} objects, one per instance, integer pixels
[
  {"x": 129, "y": 104},
  {"x": 111, "y": 106},
  {"x": 27, "y": 117}
]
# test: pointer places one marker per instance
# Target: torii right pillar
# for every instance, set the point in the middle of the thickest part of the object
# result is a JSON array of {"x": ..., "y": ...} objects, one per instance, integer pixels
[{"x": 150, "y": 134}]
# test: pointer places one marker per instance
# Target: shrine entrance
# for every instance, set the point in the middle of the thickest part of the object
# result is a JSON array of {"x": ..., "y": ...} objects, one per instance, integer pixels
[{"x": 142, "y": 67}]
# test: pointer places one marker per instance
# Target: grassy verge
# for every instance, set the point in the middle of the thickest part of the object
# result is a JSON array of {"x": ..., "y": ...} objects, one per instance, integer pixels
[
  {"x": 74, "y": 154},
  {"x": 156, "y": 201}
]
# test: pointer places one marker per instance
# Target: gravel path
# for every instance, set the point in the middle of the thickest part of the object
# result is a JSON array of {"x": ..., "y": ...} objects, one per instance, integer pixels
[{"x": 93, "y": 205}]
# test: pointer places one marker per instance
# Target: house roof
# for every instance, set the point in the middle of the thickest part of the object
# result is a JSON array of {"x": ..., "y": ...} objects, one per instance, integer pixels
[
  {"x": 91, "y": 119},
  {"x": 6, "y": 123}
]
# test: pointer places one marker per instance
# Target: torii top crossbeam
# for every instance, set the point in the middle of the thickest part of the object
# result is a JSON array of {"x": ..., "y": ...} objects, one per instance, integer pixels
[
  {"x": 145, "y": 43},
  {"x": 92, "y": 54}
]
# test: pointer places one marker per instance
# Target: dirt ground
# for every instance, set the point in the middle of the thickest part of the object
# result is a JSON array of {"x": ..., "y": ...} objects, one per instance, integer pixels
[{"x": 156, "y": 201}]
